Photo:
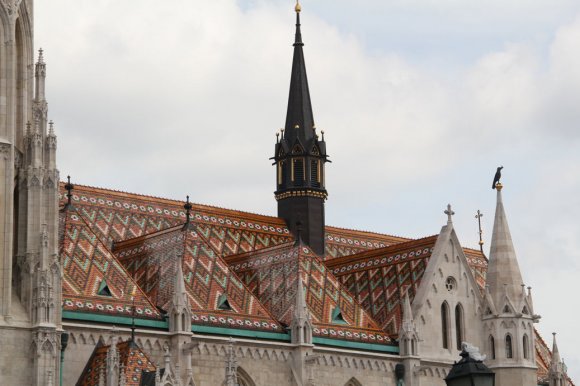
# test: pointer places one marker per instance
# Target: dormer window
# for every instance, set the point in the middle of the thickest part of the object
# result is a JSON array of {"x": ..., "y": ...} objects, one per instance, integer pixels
[
  {"x": 104, "y": 289},
  {"x": 507, "y": 309},
  {"x": 337, "y": 316},
  {"x": 223, "y": 303}
]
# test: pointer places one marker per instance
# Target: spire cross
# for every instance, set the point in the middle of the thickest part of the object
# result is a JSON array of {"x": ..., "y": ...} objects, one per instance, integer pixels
[
  {"x": 449, "y": 212},
  {"x": 478, "y": 216},
  {"x": 69, "y": 187}
]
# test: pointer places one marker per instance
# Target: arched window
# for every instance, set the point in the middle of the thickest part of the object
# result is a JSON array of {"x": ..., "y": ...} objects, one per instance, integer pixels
[
  {"x": 445, "y": 324},
  {"x": 491, "y": 347},
  {"x": 353, "y": 382},
  {"x": 525, "y": 346},
  {"x": 459, "y": 325},
  {"x": 509, "y": 352},
  {"x": 244, "y": 378}
]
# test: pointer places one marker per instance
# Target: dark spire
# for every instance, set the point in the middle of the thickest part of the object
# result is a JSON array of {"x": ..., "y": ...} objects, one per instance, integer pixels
[
  {"x": 299, "y": 158},
  {"x": 299, "y": 118}
]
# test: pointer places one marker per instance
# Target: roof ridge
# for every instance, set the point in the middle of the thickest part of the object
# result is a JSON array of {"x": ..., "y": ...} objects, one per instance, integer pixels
[
  {"x": 367, "y": 232},
  {"x": 147, "y": 197},
  {"x": 233, "y": 258},
  {"x": 365, "y": 254}
]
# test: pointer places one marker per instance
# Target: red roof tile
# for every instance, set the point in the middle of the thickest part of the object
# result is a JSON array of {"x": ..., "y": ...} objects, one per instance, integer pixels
[
  {"x": 271, "y": 274},
  {"x": 87, "y": 262},
  {"x": 133, "y": 360},
  {"x": 153, "y": 259}
]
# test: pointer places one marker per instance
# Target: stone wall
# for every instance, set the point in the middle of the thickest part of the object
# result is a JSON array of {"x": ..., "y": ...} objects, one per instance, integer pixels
[{"x": 15, "y": 356}]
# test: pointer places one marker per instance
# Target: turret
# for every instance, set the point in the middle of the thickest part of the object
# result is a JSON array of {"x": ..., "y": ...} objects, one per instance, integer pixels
[
  {"x": 301, "y": 326},
  {"x": 300, "y": 156},
  {"x": 556, "y": 374},
  {"x": 508, "y": 316}
]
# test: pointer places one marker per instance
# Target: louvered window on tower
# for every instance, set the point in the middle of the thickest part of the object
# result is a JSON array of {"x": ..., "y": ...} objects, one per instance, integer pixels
[
  {"x": 298, "y": 167},
  {"x": 104, "y": 289},
  {"x": 315, "y": 173}
]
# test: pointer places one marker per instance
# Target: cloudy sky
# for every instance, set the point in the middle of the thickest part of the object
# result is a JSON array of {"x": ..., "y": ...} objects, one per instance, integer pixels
[{"x": 420, "y": 100}]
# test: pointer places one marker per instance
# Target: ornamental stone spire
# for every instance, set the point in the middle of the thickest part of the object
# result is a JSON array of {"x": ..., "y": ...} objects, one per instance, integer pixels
[{"x": 503, "y": 274}]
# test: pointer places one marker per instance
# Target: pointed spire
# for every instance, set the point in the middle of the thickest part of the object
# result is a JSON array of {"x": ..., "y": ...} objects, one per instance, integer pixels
[
  {"x": 299, "y": 118},
  {"x": 300, "y": 308},
  {"x": 407, "y": 311},
  {"x": 180, "y": 294},
  {"x": 503, "y": 275},
  {"x": 40, "y": 74},
  {"x": 555, "y": 352}
]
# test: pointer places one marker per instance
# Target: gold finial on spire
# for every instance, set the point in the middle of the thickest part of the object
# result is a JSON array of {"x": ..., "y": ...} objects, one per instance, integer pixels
[{"x": 298, "y": 7}]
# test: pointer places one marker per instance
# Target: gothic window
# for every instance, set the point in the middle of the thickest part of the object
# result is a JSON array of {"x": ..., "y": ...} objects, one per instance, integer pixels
[
  {"x": 509, "y": 353},
  {"x": 243, "y": 378},
  {"x": 315, "y": 151},
  {"x": 281, "y": 172},
  {"x": 104, "y": 289},
  {"x": 298, "y": 171},
  {"x": 525, "y": 311},
  {"x": 315, "y": 173},
  {"x": 488, "y": 311},
  {"x": 525, "y": 346},
  {"x": 445, "y": 324},
  {"x": 353, "y": 382},
  {"x": 492, "y": 347},
  {"x": 459, "y": 325},
  {"x": 507, "y": 309},
  {"x": 450, "y": 284}
]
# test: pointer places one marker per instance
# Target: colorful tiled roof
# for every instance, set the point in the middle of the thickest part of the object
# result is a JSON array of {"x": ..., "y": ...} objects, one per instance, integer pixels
[
  {"x": 93, "y": 279},
  {"x": 380, "y": 278},
  {"x": 152, "y": 261},
  {"x": 271, "y": 274},
  {"x": 344, "y": 242},
  {"x": 116, "y": 216},
  {"x": 132, "y": 360}
]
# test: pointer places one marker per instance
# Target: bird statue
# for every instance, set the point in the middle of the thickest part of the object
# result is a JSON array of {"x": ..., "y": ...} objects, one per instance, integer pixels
[{"x": 496, "y": 177}]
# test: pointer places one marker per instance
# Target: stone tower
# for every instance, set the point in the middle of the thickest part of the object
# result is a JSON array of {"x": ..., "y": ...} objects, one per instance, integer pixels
[
  {"x": 30, "y": 279},
  {"x": 299, "y": 157},
  {"x": 508, "y": 315}
]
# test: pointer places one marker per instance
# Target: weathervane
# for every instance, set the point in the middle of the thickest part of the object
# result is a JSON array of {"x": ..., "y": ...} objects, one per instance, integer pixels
[{"x": 478, "y": 216}]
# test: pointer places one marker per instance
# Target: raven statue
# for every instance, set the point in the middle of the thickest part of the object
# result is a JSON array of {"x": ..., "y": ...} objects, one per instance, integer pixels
[{"x": 497, "y": 177}]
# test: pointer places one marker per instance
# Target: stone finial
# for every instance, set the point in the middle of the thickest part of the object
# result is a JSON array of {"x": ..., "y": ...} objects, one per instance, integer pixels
[{"x": 40, "y": 55}]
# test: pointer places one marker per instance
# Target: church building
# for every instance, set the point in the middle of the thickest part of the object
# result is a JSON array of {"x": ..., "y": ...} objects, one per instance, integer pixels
[{"x": 108, "y": 288}]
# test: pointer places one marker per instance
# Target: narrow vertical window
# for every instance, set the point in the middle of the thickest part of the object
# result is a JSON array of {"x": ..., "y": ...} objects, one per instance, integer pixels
[
  {"x": 459, "y": 325},
  {"x": 509, "y": 353},
  {"x": 525, "y": 346},
  {"x": 445, "y": 324},
  {"x": 299, "y": 171},
  {"x": 314, "y": 174},
  {"x": 281, "y": 172},
  {"x": 491, "y": 347}
]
